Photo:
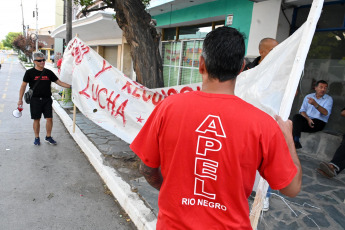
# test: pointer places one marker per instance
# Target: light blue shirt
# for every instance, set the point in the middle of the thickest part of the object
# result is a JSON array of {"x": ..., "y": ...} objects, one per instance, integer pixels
[{"x": 326, "y": 102}]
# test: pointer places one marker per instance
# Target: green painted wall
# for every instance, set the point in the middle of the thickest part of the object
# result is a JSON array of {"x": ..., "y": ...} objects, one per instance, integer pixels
[{"x": 241, "y": 9}]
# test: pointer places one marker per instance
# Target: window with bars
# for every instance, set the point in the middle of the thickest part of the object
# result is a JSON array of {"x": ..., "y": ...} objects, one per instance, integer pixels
[
  {"x": 181, "y": 62},
  {"x": 181, "y": 50}
]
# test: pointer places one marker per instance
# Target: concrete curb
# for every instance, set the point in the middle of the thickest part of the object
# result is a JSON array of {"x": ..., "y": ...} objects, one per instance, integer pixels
[{"x": 141, "y": 215}]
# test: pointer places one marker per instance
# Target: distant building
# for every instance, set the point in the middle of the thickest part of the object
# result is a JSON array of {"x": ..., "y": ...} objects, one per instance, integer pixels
[{"x": 45, "y": 39}]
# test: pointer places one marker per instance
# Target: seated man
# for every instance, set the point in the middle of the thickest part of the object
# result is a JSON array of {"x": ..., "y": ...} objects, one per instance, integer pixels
[
  {"x": 314, "y": 113},
  {"x": 337, "y": 164}
]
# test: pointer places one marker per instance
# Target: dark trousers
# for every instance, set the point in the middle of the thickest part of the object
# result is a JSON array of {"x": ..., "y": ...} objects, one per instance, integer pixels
[
  {"x": 339, "y": 156},
  {"x": 300, "y": 124}
]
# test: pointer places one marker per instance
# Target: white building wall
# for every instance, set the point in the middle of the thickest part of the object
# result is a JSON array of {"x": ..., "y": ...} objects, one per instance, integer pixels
[
  {"x": 110, "y": 54},
  {"x": 264, "y": 24}
]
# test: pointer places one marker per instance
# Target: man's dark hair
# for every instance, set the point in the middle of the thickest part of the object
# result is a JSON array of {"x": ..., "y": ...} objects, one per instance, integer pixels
[
  {"x": 322, "y": 82},
  {"x": 223, "y": 51}
]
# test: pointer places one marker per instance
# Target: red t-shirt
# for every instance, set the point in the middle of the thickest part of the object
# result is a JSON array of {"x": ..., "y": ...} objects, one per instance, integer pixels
[{"x": 209, "y": 147}]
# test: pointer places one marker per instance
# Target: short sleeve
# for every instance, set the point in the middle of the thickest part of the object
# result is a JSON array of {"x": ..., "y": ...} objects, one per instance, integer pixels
[
  {"x": 52, "y": 76},
  {"x": 146, "y": 143},
  {"x": 304, "y": 106},
  {"x": 329, "y": 104},
  {"x": 277, "y": 167},
  {"x": 26, "y": 77}
]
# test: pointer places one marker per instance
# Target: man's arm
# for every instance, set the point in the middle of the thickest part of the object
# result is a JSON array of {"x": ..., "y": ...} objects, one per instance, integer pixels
[
  {"x": 319, "y": 108},
  {"x": 310, "y": 121},
  {"x": 63, "y": 84},
  {"x": 21, "y": 93},
  {"x": 295, "y": 185},
  {"x": 152, "y": 175}
]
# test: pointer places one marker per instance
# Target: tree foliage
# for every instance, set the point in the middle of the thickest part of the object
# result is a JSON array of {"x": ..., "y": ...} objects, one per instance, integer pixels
[
  {"x": 26, "y": 44},
  {"x": 10, "y": 37},
  {"x": 328, "y": 45},
  {"x": 141, "y": 35}
]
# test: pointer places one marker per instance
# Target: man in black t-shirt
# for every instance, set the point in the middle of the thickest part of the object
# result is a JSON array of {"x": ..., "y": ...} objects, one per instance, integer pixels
[
  {"x": 265, "y": 46},
  {"x": 41, "y": 101}
]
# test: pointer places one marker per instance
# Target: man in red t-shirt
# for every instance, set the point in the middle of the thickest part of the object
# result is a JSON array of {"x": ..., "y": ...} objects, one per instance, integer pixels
[{"x": 202, "y": 149}]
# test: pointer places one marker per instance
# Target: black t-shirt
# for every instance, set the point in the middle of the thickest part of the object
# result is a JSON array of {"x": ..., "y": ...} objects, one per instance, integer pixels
[
  {"x": 43, "y": 88},
  {"x": 252, "y": 64}
]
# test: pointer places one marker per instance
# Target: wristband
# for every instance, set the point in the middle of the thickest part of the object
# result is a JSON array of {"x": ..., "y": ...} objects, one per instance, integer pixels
[{"x": 316, "y": 107}]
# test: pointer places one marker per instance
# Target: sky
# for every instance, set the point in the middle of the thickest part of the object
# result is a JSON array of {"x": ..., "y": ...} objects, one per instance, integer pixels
[{"x": 11, "y": 19}]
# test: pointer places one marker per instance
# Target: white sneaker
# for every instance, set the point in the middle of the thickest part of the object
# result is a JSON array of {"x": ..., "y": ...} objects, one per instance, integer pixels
[{"x": 266, "y": 205}]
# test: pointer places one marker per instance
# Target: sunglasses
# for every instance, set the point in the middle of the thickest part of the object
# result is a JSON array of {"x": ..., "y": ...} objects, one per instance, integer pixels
[{"x": 42, "y": 60}]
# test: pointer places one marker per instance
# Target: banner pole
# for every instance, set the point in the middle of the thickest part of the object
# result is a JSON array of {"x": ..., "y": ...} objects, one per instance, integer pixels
[
  {"x": 74, "y": 117},
  {"x": 74, "y": 110},
  {"x": 287, "y": 100}
]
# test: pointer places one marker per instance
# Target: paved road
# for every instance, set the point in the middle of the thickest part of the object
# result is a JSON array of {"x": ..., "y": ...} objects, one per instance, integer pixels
[{"x": 47, "y": 187}]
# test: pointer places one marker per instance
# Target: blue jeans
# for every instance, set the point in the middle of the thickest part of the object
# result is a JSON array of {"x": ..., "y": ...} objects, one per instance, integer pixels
[{"x": 268, "y": 194}]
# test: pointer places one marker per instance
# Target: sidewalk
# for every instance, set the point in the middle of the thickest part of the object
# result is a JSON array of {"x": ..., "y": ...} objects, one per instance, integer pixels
[{"x": 320, "y": 205}]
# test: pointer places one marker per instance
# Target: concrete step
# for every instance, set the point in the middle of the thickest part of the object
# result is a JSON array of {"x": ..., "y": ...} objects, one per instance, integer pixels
[{"x": 320, "y": 145}]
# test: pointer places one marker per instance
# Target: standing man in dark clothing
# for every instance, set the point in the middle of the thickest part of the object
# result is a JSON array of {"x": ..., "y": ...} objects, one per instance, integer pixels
[
  {"x": 265, "y": 46},
  {"x": 41, "y": 101}
]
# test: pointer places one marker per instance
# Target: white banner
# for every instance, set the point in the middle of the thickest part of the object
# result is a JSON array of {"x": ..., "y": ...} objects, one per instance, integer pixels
[
  {"x": 121, "y": 106},
  {"x": 106, "y": 96}
]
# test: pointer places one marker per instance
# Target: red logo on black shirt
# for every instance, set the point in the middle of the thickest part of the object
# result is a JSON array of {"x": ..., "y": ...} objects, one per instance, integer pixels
[{"x": 45, "y": 78}]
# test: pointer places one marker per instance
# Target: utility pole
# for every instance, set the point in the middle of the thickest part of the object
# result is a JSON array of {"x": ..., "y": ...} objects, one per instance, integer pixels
[
  {"x": 68, "y": 21},
  {"x": 36, "y": 27},
  {"x": 24, "y": 34}
]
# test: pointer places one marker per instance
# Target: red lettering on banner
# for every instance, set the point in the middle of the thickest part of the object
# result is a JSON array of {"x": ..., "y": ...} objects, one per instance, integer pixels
[
  {"x": 140, "y": 85},
  {"x": 145, "y": 98},
  {"x": 94, "y": 94},
  {"x": 71, "y": 46},
  {"x": 134, "y": 94},
  {"x": 164, "y": 93},
  {"x": 83, "y": 92},
  {"x": 79, "y": 51},
  {"x": 154, "y": 99},
  {"x": 112, "y": 102},
  {"x": 186, "y": 89},
  {"x": 128, "y": 87},
  {"x": 137, "y": 92},
  {"x": 172, "y": 91},
  {"x": 121, "y": 111},
  {"x": 103, "y": 69},
  {"x": 99, "y": 101}
]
